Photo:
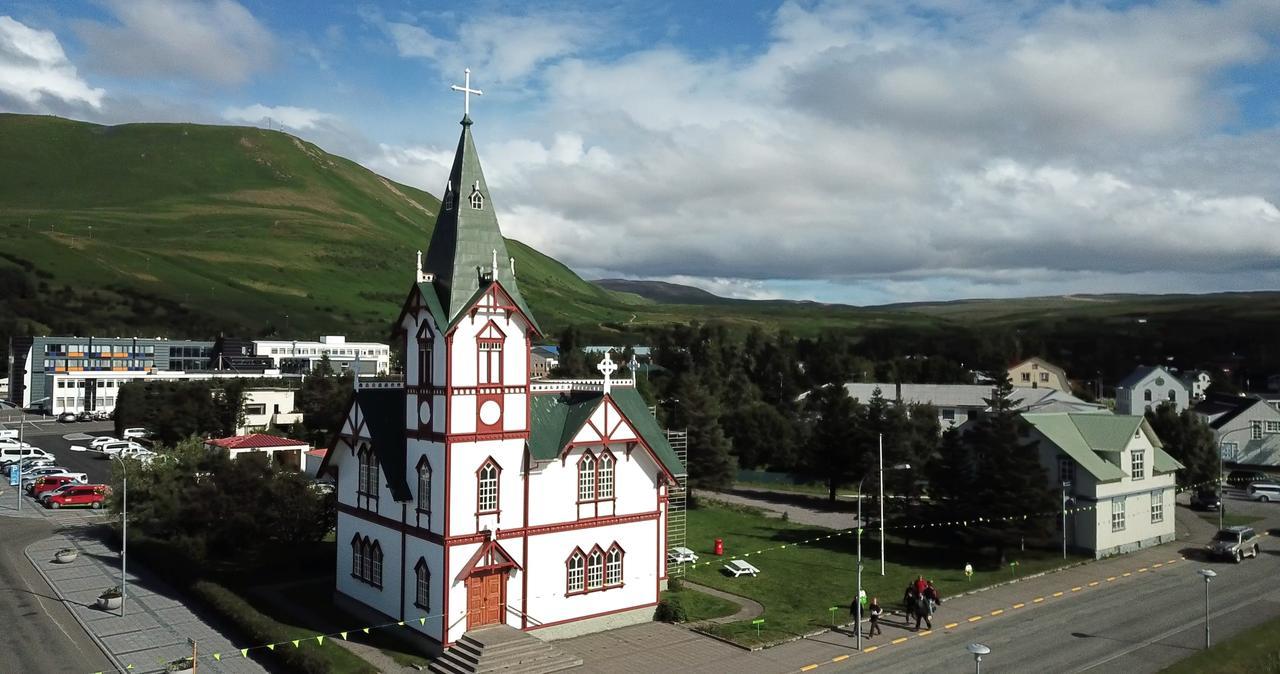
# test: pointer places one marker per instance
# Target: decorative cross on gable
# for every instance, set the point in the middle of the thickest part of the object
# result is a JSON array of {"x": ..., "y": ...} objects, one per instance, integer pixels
[
  {"x": 466, "y": 91},
  {"x": 607, "y": 367}
]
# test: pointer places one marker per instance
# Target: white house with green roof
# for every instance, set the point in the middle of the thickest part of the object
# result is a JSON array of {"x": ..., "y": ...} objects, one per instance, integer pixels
[
  {"x": 1119, "y": 475},
  {"x": 470, "y": 495}
]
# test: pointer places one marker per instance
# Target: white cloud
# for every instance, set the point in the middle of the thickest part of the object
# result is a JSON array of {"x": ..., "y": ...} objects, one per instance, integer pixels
[
  {"x": 35, "y": 71},
  {"x": 217, "y": 41},
  {"x": 301, "y": 119}
]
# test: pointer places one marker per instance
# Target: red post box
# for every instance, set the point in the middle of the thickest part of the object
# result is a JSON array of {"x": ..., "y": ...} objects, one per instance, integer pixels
[{"x": 720, "y": 546}]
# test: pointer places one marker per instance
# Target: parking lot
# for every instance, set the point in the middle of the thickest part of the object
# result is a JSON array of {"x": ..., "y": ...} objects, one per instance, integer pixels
[{"x": 57, "y": 439}]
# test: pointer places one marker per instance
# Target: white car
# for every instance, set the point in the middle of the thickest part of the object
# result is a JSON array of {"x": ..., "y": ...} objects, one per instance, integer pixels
[
  {"x": 15, "y": 453},
  {"x": 78, "y": 478},
  {"x": 136, "y": 433},
  {"x": 113, "y": 448},
  {"x": 1264, "y": 491},
  {"x": 101, "y": 440},
  {"x": 137, "y": 452}
]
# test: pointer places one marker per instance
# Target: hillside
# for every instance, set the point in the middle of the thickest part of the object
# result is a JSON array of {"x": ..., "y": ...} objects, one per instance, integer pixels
[
  {"x": 192, "y": 230},
  {"x": 661, "y": 291}
]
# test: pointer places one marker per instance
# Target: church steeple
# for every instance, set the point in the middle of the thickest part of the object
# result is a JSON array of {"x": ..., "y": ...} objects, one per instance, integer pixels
[{"x": 467, "y": 250}]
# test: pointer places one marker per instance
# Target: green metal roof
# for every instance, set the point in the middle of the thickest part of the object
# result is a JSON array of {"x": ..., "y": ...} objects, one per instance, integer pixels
[
  {"x": 1084, "y": 436},
  {"x": 554, "y": 419},
  {"x": 462, "y": 245},
  {"x": 383, "y": 411}
]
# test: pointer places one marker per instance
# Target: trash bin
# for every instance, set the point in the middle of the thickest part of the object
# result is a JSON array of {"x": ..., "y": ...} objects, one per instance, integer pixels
[{"x": 720, "y": 546}]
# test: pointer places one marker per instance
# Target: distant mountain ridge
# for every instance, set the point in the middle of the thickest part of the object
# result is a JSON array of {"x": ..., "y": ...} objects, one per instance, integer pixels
[{"x": 662, "y": 291}]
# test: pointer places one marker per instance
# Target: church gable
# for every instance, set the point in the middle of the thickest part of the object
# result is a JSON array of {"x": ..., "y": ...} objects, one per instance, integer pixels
[
  {"x": 375, "y": 417},
  {"x": 559, "y": 421}
]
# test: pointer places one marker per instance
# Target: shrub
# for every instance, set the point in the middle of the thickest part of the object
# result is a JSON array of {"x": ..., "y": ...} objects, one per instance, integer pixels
[
  {"x": 675, "y": 585},
  {"x": 670, "y": 611}
]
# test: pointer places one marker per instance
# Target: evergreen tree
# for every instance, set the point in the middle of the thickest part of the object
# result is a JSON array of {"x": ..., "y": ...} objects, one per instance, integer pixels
[
  {"x": 836, "y": 442},
  {"x": 1187, "y": 438},
  {"x": 1011, "y": 482},
  {"x": 711, "y": 463}
]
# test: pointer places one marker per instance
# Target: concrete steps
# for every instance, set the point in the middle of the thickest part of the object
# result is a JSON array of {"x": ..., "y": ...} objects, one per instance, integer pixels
[{"x": 500, "y": 649}]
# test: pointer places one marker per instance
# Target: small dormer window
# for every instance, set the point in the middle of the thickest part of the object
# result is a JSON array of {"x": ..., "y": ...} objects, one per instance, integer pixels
[
  {"x": 448, "y": 196},
  {"x": 477, "y": 199}
]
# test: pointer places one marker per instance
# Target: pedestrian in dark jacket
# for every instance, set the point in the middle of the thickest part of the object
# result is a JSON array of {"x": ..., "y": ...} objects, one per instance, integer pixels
[{"x": 874, "y": 610}]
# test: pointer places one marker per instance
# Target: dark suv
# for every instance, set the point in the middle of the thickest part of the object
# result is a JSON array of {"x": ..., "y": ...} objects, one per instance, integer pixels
[{"x": 1206, "y": 499}]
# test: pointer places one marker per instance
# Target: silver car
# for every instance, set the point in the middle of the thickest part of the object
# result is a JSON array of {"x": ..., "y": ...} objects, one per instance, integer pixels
[
  {"x": 1234, "y": 543},
  {"x": 1264, "y": 491}
]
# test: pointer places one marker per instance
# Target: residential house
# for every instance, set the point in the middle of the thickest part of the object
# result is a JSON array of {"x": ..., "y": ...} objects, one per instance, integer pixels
[
  {"x": 267, "y": 408},
  {"x": 1197, "y": 383},
  {"x": 541, "y": 362},
  {"x": 1039, "y": 373},
  {"x": 284, "y": 452},
  {"x": 1146, "y": 387},
  {"x": 1117, "y": 470},
  {"x": 959, "y": 403},
  {"x": 1246, "y": 429}
]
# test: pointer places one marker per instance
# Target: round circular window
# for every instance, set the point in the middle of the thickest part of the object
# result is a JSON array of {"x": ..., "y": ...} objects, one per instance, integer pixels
[{"x": 490, "y": 412}]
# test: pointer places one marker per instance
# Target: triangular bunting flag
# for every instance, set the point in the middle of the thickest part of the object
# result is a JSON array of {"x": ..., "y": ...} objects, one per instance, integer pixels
[
  {"x": 365, "y": 630},
  {"x": 244, "y": 652},
  {"x": 422, "y": 621},
  {"x": 297, "y": 643},
  {"x": 401, "y": 623},
  {"x": 320, "y": 640},
  {"x": 344, "y": 635},
  {"x": 271, "y": 646},
  {"x": 217, "y": 656},
  {"x": 129, "y": 667}
]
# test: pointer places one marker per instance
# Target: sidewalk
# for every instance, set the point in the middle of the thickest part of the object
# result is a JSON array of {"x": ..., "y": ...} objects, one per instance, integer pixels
[{"x": 154, "y": 629}]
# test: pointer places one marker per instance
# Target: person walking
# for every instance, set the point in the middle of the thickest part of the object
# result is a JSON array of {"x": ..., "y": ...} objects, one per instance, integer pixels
[{"x": 874, "y": 612}]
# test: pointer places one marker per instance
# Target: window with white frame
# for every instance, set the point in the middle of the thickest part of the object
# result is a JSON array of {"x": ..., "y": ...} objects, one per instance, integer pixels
[
  {"x": 422, "y": 587},
  {"x": 1044, "y": 376},
  {"x": 587, "y": 477},
  {"x": 487, "y": 487},
  {"x": 489, "y": 361},
  {"x": 613, "y": 567},
  {"x": 1117, "y": 514},
  {"x": 604, "y": 488},
  {"x": 1137, "y": 464},
  {"x": 595, "y": 570},
  {"x": 1026, "y": 376},
  {"x": 476, "y": 198},
  {"x": 1272, "y": 427},
  {"x": 375, "y": 564},
  {"x": 367, "y": 479},
  {"x": 1255, "y": 429},
  {"x": 575, "y": 569},
  {"x": 424, "y": 488},
  {"x": 1146, "y": 395},
  {"x": 1157, "y": 506},
  {"x": 357, "y": 557}
]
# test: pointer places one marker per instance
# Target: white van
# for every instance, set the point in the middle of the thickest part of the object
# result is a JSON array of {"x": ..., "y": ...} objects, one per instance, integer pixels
[
  {"x": 8, "y": 434},
  {"x": 14, "y": 453}
]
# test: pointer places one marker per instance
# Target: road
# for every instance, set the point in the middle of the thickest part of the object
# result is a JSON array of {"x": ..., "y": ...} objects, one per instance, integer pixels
[
  {"x": 1141, "y": 624},
  {"x": 39, "y": 633}
]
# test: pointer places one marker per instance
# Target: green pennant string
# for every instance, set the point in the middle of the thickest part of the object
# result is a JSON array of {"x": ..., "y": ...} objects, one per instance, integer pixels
[
  {"x": 217, "y": 656},
  {"x": 365, "y": 630},
  {"x": 129, "y": 667},
  {"x": 422, "y": 621},
  {"x": 297, "y": 643},
  {"x": 344, "y": 635},
  {"x": 320, "y": 640},
  {"x": 244, "y": 652},
  {"x": 401, "y": 623},
  {"x": 271, "y": 646}
]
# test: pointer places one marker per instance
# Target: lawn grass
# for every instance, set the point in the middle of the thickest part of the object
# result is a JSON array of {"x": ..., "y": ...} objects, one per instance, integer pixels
[
  {"x": 799, "y": 584},
  {"x": 1230, "y": 519},
  {"x": 699, "y": 606},
  {"x": 1255, "y": 650}
]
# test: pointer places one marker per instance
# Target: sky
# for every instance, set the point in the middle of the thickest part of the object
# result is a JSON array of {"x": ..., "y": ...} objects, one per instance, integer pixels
[{"x": 860, "y": 152}]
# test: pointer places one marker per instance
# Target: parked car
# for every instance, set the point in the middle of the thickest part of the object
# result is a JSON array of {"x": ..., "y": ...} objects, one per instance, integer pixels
[
  {"x": 137, "y": 452},
  {"x": 101, "y": 440},
  {"x": 111, "y": 448},
  {"x": 48, "y": 483},
  {"x": 1234, "y": 543},
  {"x": 44, "y": 498},
  {"x": 136, "y": 433},
  {"x": 29, "y": 480},
  {"x": 84, "y": 416},
  {"x": 1242, "y": 478},
  {"x": 31, "y": 471},
  {"x": 100, "y": 415},
  {"x": 1264, "y": 491},
  {"x": 1206, "y": 499},
  {"x": 85, "y": 495},
  {"x": 67, "y": 417},
  {"x": 27, "y": 464},
  {"x": 10, "y": 453}
]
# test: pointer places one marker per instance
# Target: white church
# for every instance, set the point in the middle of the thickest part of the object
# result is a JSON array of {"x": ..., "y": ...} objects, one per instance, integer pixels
[{"x": 470, "y": 496}]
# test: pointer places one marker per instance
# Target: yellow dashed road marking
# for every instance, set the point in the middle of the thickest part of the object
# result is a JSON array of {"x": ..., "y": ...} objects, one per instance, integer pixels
[
  {"x": 899, "y": 640},
  {"x": 840, "y": 658},
  {"x": 1125, "y": 575},
  {"x": 808, "y": 668},
  {"x": 1019, "y": 605},
  {"x": 975, "y": 619},
  {"x": 1037, "y": 600},
  {"x": 1058, "y": 594},
  {"x": 1076, "y": 588},
  {"x": 997, "y": 611},
  {"x": 1157, "y": 565},
  {"x": 868, "y": 649},
  {"x": 1171, "y": 561},
  {"x": 949, "y": 626},
  {"x": 1142, "y": 570},
  {"x": 1110, "y": 578},
  {"x": 1093, "y": 583},
  {"x": 925, "y": 633}
]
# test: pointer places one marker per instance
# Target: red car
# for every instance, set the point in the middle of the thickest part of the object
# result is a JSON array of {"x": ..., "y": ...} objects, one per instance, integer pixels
[
  {"x": 91, "y": 495},
  {"x": 49, "y": 483}
]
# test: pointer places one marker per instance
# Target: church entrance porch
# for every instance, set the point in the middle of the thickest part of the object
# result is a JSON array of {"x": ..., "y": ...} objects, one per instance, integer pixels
[{"x": 486, "y": 598}]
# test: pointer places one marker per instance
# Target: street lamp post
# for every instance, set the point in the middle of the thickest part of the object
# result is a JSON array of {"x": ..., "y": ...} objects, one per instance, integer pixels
[
  {"x": 1222, "y": 501},
  {"x": 1066, "y": 484},
  {"x": 1208, "y": 575},
  {"x": 857, "y": 597},
  {"x": 978, "y": 651},
  {"x": 124, "y": 519}
]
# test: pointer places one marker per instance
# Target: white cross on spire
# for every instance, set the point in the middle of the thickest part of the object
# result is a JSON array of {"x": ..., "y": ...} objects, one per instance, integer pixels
[
  {"x": 607, "y": 367},
  {"x": 466, "y": 91}
]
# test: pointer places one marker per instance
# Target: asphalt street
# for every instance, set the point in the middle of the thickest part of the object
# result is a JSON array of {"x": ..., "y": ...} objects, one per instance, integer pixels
[
  {"x": 1142, "y": 625},
  {"x": 38, "y": 632}
]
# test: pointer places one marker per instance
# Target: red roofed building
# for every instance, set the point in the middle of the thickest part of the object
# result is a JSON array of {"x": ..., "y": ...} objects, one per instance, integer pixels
[{"x": 285, "y": 452}]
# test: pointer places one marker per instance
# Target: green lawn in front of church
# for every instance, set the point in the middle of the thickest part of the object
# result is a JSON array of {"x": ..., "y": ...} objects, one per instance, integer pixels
[{"x": 799, "y": 584}]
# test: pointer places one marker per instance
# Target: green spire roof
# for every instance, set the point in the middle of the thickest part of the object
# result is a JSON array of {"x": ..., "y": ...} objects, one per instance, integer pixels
[{"x": 461, "y": 252}]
